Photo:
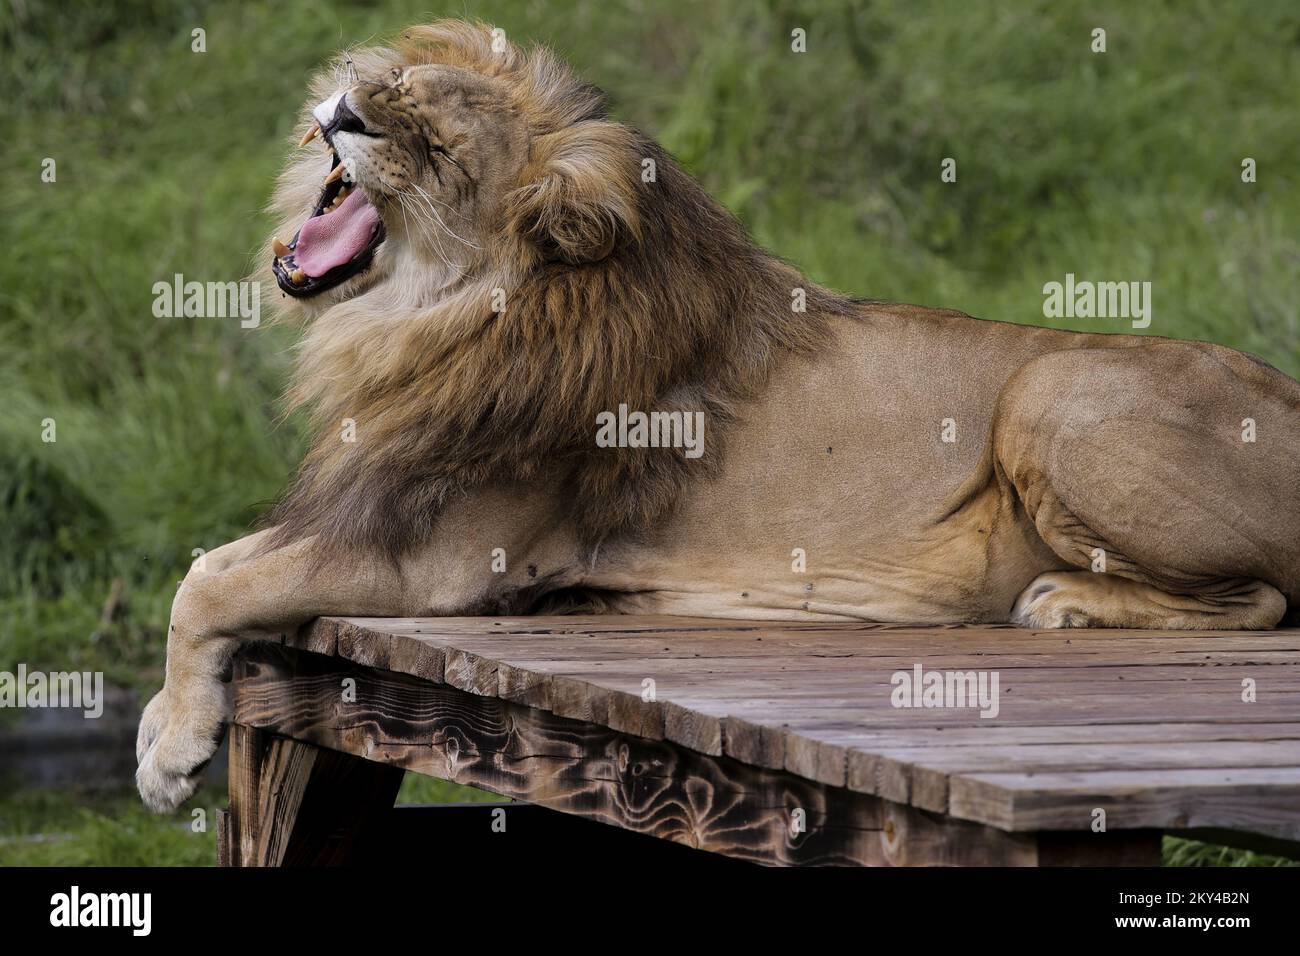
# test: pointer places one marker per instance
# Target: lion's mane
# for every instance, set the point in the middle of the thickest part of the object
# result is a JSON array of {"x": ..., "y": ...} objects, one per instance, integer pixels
[{"x": 618, "y": 291}]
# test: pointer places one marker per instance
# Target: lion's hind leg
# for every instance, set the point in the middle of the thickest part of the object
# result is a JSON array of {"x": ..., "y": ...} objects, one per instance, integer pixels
[{"x": 1132, "y": 467}]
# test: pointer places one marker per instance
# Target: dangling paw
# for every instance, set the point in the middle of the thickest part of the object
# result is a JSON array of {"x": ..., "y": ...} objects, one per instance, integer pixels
[{"x": 173, "y": 746}]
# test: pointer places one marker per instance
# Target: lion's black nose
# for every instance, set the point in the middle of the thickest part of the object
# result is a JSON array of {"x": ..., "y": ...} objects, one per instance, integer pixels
[{"x": 344, "y": 120}]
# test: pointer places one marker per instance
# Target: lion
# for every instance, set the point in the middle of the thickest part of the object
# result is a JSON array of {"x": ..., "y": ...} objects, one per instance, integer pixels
[{"x": 493, "y": 274}]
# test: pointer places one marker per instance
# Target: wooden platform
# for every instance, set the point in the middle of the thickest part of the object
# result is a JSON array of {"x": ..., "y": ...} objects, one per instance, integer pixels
[{"x": 776, "y": 743}]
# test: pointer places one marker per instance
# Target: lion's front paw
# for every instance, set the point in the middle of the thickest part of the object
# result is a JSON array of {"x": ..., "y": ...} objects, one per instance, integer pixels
[{"x": 174, "y": 745}]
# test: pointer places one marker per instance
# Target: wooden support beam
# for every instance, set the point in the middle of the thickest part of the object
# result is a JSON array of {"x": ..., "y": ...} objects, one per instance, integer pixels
[
  {"x": 292, "y": 804},
  {"x": 246, "y": 745},
  {"x": 224, "y": 855}
]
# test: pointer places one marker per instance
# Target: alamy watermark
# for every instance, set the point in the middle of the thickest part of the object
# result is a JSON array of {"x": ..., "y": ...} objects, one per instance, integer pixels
[
  {"x": 633, "y": 429},
  {"x": 74, "y": 908},
  {"x": 208, "y": 300},
  {"x": 947, "y": 689},
  {"x": 83, "y": 690},
  {"x": 1098, "y": 300}
]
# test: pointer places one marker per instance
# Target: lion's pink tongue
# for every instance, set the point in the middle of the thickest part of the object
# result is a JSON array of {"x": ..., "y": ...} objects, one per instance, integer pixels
[{"x": 328, "y": 241}]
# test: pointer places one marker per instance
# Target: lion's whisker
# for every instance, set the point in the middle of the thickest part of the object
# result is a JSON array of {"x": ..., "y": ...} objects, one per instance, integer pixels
[
  {"x": 439, "y": 202},
  {"x": 428, "y": 201},
  {"x": 404, "y": 199}
]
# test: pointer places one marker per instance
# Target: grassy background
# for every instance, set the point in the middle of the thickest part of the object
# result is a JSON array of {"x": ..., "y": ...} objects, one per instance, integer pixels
[{"x": 1124, "y": 165}]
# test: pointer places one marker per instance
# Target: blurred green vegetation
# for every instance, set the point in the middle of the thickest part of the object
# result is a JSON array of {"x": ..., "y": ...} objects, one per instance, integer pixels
[
  {"x": 1117, "y": 165},
  {"x": 69, "y": 828},
  {"x": 1180, "y": 852}
]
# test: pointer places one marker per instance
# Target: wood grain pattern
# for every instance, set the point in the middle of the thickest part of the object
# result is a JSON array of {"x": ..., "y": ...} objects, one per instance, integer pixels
[
  {"x": 1149, "y": 725},
  {"x": 225, "y": 855},
  {"x": 293, "y": 804},
  {"x": 286, "y": 768},
  {"x": 650, "y": 786},
  {"x": 246, "y": 747}
]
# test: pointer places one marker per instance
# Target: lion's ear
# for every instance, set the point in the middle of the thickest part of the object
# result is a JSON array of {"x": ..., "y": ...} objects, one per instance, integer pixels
[{"x": 579, "y": 200}]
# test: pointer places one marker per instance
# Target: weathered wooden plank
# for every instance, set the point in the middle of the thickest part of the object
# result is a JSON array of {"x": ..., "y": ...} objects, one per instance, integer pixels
[
  {"x": 751, "y": 727},
  {"x": 848, "y": 683},
  {"x": 735, "y": 676},
  {"x": 874, "y": 764},
  {"x": 645, "y": 785},
  {"x": 862, "y": 742},
  {"x": 920, "y": 775},
  {"x": 718, "y": 651},
  {"x": 1100, "y": 710},
  {"x": 670, "y": 625},
  {"x": 376, "y": 647},
  {"x": 977, "y": 737},
  {"x": 320, "y": 636},
  {"x": 544, "y": 639},
  {"x": 1239, "y": 798},
  {"x": 690, "y": 728},
  {"x": 812, "y": 700}
]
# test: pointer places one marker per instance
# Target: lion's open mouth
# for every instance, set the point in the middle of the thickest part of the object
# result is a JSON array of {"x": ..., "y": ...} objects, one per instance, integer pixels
[{"x": 336, "y": 242}]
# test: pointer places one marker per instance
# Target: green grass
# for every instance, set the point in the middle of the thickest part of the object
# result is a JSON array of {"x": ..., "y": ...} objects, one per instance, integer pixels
[
  {"x": 68, "y": 828},
  {"x": 420, "y": 789},
  {"x": 1123, "y": 165},
  {"x": 1179, "y": 852}
]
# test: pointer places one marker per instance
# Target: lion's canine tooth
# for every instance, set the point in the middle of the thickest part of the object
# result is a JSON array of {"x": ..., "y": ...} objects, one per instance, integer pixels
[
  {"x": 335, "y": 173},
  {"x": 311, "y": 134},
  {"x": 296, "y": 276},
  {"x": 279, "y": 248}
]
